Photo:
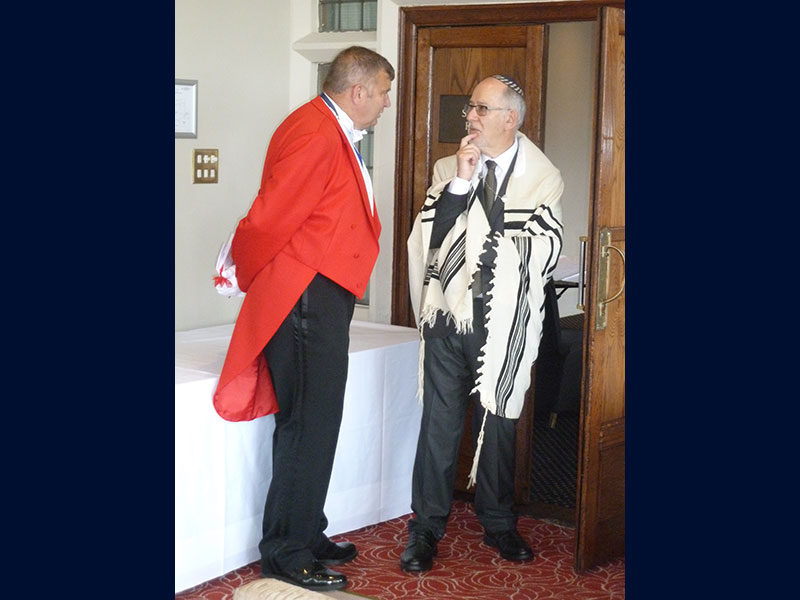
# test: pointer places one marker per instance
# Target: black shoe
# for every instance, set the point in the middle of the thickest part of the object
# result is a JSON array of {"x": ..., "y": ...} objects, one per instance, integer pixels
[
  {"x": 337, "y": 554},
  {"x": 510, "y": 543},
  {"x": 313, "y": 577},
  {"x": 419, "y": 553}
]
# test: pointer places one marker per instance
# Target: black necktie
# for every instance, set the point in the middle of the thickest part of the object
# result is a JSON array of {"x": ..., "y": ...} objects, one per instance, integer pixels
[{"x": 489, "y": 186}]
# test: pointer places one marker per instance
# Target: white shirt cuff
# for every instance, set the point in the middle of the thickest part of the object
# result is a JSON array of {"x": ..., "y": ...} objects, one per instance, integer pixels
[{"x": 458, "y": 186}]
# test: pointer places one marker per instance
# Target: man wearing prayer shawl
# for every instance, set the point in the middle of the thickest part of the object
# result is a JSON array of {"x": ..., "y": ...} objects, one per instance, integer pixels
[{"x": 482, "y": 248}]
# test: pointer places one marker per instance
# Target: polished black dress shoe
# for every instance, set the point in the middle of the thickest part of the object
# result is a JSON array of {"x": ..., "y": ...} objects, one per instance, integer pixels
[
  {"x": 419, "y": 553},
  {"x": 510, "y": 544},
  {"x": 337, "y": 553},
  {"x": 312, "y": 577}
]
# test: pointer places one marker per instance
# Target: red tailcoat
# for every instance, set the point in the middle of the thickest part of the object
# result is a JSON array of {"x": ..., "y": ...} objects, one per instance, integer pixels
[{"x": 311, "y": 216}]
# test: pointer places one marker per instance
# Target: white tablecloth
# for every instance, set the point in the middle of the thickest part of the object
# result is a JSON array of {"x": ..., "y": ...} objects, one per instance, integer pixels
[
  {"x": 223, "y": 469},
  {"x": 566, "y": 269}
]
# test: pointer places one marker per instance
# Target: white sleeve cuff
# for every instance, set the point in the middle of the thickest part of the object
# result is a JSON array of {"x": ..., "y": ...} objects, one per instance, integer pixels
[{"x": 458, "y": 186}]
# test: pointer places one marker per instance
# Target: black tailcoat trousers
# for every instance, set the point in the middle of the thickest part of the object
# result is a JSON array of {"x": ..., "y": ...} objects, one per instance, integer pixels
[{"x": 308, "y": 359}]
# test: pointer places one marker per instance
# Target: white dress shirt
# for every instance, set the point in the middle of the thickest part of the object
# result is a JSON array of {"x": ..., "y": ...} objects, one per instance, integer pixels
[
  {"x": 503, "y": 161},
  {"x": 354, "y": 135}
]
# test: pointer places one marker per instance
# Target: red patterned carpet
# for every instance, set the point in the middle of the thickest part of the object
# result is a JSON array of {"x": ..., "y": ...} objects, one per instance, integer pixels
[{"x": 465, "y": 568}]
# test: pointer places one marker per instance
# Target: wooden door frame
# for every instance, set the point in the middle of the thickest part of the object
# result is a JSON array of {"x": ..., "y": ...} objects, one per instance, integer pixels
[
  {"x": 410, "y": 20},
  {"x": 601, "y": 489}
]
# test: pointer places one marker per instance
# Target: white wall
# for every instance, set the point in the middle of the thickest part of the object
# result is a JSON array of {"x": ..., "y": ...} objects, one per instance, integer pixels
[
  {"x": 255, "y": 62},
  {"x": 238, "y": 51},
  {"x": 571, "y": 73}
]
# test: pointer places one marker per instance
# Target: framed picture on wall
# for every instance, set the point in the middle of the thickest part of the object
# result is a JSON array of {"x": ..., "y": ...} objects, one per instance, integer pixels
[{"x": 185, "y": 108}]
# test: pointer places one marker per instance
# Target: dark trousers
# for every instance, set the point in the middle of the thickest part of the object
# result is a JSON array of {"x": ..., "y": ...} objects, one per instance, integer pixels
[
  {"x": 450, "y": 372},
  {"x": 307, "y": 358}
]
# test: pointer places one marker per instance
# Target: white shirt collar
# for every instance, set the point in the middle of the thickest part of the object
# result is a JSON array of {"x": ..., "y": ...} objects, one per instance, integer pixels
[
  {"x": 346, "y": 123},
  {"x": 503, "y": 161},
  {"x": 354, "y": 135}
]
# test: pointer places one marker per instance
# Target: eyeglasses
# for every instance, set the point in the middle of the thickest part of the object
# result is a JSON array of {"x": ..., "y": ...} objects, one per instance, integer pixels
[{"x": 481, "y": 109}]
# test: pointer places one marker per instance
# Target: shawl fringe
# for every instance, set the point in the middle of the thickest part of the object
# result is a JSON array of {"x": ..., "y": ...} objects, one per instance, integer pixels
[
  {"x": 429, "y": 314},
  {"x": 473, "y": 473}
]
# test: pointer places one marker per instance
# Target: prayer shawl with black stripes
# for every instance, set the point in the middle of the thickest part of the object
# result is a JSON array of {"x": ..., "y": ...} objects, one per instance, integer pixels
[{"x": 521, "y": 260}]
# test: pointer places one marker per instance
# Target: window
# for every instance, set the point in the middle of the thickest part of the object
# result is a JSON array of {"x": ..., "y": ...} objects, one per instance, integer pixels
[{"x": 346, "y": 15}]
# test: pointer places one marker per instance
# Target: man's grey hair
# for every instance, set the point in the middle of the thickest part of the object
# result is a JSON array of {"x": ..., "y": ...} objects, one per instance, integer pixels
[
  {"x": 514, "y": 96},
  {"x": 355, "y": 65}
]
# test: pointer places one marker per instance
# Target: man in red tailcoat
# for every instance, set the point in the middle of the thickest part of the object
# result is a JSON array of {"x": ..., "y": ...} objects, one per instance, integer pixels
[{"x": 303, "y": 254}]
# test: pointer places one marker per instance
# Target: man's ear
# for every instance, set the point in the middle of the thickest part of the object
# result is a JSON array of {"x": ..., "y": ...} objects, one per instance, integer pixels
[
  {"x": 357, "y": 92},
  {"x": 511, "y": 119}
]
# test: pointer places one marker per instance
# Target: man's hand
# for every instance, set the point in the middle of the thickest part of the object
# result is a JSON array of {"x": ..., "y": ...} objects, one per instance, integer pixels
[{"x": 468, "y": 157}]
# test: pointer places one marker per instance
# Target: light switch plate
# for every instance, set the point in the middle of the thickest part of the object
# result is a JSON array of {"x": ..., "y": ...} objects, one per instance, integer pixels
[{"x": 205, "y": 165}]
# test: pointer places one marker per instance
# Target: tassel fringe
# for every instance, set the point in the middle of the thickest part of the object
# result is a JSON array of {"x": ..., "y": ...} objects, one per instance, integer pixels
[
  {"x": 420, "y": 369},
  {"x": 473, "y": 474}
]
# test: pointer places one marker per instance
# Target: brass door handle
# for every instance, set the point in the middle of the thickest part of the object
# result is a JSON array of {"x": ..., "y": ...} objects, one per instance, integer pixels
[
  {"x": 604, "y": 275},
  {"x": 622, "y": 288}
]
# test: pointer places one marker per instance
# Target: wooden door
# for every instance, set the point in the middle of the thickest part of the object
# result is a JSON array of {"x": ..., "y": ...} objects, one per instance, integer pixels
[
  {"x": 451, "y": 61},
  {"x": 601, "y": 462}
]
